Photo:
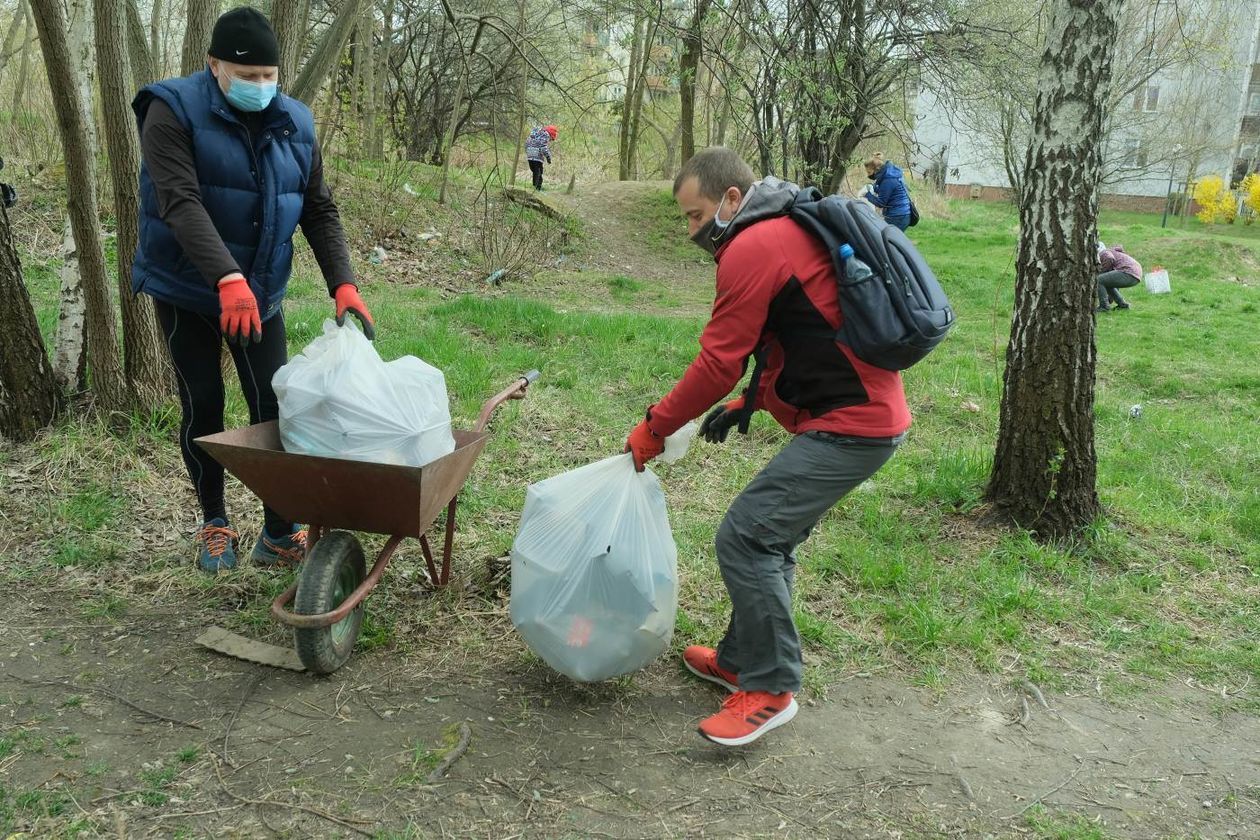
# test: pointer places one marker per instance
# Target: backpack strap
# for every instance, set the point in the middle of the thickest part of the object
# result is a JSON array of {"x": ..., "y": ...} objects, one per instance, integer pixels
[{"x": 759, "y": 357}]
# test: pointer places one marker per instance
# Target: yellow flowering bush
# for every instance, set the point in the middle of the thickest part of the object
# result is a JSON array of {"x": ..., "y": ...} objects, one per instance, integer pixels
[
  {"x": 1217, "y": 205},
  {"x": 1250, "y": 188}
]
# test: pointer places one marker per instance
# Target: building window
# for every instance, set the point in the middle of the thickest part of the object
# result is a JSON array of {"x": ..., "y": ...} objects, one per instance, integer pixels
[
  {"x": 1146, "y": 98},
  {"x": 1135, "y": 153},
  {"x": 1253, "y": 104}
]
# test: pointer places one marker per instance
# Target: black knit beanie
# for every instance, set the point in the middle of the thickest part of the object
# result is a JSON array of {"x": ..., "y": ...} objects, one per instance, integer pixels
[{"x": 245, "y": 36}]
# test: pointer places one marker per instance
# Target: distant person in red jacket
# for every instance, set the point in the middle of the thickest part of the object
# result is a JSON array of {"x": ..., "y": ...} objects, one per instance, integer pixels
[
  {"x": 776, "y": 302},
  {"x": 1118, "y": 271}
]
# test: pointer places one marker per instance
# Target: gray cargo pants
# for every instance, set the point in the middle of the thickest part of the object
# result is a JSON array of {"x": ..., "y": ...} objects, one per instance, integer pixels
[{"x": 756, "y": 549}]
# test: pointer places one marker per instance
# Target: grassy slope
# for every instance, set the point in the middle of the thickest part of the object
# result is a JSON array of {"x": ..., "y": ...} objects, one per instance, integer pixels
[{"x": 897, "y": 573}]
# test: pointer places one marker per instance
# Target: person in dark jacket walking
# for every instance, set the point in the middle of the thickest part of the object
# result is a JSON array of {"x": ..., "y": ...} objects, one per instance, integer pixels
[
  {"x": 1118, "y": 271},
  {"x": 777, "y": 300},
  {"x": 230, "y": 169},
  {"x": 888, "y": 193},
  {"x": 538, "y": 149}
]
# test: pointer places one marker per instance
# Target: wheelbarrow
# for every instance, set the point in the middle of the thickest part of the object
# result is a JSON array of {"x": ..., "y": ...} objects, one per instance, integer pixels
[{"x": 334, "y": 493}]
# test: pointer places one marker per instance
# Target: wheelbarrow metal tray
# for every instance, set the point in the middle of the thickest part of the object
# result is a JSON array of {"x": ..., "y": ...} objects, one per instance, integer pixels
[{"x": 339, "y": 493}]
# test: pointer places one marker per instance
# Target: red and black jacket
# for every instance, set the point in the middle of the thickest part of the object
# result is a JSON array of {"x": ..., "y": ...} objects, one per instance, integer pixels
[{"x": 777, "y": 296}]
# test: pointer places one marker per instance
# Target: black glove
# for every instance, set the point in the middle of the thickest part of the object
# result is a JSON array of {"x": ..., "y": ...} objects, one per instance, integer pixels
[{"x": 719, "y": 422}]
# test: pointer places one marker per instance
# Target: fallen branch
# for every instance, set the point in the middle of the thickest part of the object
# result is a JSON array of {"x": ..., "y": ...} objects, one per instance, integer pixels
[
  {"x": 1031, "y": 688},
  {"x": 107, "y": 693},
  {"x": 253, "y": 686},
  {"x": 1058, "y": 788},
  {"x": 456, "y": 753},
  {"x": 218, "y": 771}
]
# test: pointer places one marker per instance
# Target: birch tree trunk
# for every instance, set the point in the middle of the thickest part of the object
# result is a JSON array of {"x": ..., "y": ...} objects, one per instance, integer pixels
[
  {"x": 144, "y": 359},
  {"x": 1044, "y": 469},
  {"x": 199, "y": 24},
  {"x": 29, "y": 396},
  {"x": 106, "y": 373},
  {"x": 70, "y": 342},
  {"x": 521, "y": 92}
]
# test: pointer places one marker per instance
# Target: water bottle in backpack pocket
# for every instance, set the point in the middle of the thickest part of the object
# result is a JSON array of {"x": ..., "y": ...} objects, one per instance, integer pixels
[{"x": 893, "y": 309}]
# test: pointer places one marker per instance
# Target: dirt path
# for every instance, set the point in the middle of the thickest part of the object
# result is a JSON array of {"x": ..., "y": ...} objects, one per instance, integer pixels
[{"x": 241, "y": 750}]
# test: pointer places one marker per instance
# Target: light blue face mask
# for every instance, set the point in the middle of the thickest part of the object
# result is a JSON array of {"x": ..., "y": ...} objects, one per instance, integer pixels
[
  {"x": 250, "y": 96},
  {"x": 718, "y": 224}
]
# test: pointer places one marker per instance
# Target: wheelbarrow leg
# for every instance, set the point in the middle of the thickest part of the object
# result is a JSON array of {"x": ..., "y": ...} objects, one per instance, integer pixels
[{"x": 444, "y": 577}]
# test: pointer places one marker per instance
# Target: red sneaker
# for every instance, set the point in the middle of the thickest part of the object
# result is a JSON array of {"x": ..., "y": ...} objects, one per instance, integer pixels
[
  {"x": 747, "y": 715},
  {"x": 702, "y": 661}
]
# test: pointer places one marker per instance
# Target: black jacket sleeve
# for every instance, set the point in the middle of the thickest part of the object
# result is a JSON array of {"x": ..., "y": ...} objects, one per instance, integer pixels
[
  {"x": 321, "y": 224},
  {"x": 167, "y": 151}
]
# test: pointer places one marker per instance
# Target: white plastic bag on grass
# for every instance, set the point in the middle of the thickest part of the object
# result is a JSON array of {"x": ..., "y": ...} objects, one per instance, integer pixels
[
  {"x": 338, "y": 399},
  {"x": 1157, "y": 280},
  {"x": 594, "y": 571}
]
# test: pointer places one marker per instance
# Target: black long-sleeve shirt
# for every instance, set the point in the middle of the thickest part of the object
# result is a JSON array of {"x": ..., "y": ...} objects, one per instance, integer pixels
[{"x": 167, "y": 150}]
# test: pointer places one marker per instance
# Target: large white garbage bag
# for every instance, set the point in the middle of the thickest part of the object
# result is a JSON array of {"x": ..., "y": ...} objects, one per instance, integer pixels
[
  {"x": 594, "y": 571},
  {"x": 338, "y": 399}
]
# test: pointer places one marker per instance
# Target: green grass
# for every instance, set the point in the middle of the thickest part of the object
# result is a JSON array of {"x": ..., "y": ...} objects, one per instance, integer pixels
[
  {"x": 1051, "y": 826},
  {"x": 1166, "y": 586}
]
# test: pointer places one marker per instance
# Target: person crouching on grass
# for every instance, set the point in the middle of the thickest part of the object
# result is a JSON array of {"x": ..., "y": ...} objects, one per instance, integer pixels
[{"x": 847, "y": 417}]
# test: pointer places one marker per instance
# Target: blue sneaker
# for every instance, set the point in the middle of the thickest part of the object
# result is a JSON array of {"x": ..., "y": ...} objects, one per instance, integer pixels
[
  {"x": 286, "y": 551},
  {"x": 218, "y": 546}
]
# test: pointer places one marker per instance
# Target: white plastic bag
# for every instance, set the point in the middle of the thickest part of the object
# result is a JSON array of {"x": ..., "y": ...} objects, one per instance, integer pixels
[
  {"x": 594, "y": 571},
  {"x": 1157, "y": 280},
  {"x": 338, "y": 399}
]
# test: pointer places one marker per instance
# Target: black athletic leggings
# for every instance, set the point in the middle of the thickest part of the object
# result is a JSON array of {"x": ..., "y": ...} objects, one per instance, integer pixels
[
  {"x": 536, "y": 169},
  {"x": 194, "y": 342}
]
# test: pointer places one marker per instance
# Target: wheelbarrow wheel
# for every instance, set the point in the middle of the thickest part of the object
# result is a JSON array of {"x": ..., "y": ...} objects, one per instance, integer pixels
[{"x": 329, "y": 574}]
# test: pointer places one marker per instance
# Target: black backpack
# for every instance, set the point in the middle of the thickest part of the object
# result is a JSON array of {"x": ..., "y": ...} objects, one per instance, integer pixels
[{"x": 895, "y": 317}]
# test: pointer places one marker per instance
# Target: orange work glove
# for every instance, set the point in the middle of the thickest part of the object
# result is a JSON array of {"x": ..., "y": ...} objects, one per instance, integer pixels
[
  {"x": 238, "y": 311},
  {"x": 349, "y": 303},
  {"x": 644, "y": 444},
  {"x": 719, "y": 422}
]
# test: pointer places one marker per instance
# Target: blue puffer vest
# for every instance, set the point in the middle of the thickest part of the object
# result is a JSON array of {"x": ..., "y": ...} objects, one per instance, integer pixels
[{"x": 253, "y": 194}]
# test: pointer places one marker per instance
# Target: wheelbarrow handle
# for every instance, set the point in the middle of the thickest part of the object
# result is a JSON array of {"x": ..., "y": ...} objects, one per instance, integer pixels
[{"x": 515, "y": 391}]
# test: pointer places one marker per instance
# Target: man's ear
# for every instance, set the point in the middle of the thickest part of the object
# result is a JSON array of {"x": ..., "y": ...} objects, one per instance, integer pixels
[
  {"x": 214, "y": 65},
  {"x": 733, "y": 197}
]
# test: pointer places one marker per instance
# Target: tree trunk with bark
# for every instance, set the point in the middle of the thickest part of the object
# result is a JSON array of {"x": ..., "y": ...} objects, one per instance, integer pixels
[
  {"x": 1044, "y": 469},
  {"x": 145, "y": 62},
  {"x": 688, "y": 67},
  {"x": 199, "y": 24},
  {"x": 632, "y": 95},
  {"x": 16, "y": 27},
  {"x": 24, "y": 67},
  {"x": 286, "y": 19},
  {"x": 144, "y": 359},
  {"x": 326, "y": 52},
  {"x": 383, "y": 58},
  {"x": 106, "y": 373},
  {"x": 29, "y": 396},
  {"x": 155, "y": 30}
]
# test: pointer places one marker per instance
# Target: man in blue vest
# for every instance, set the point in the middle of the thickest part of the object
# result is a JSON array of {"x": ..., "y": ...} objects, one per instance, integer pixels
[{"x": 231, "y": 167}]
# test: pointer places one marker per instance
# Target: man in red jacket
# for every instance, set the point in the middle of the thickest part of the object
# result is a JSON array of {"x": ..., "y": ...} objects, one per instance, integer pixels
[{"x": 776, "y": 302}]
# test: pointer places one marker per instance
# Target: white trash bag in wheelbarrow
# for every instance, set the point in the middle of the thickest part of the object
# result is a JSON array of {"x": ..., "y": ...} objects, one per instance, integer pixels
[
  {"x": 595, "y": 570},
  {"x": 338, "y": 399}
]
